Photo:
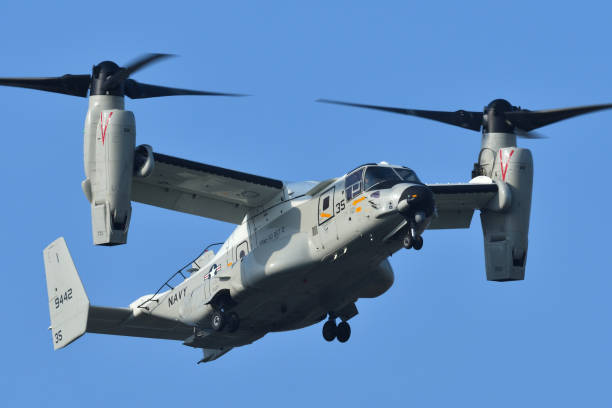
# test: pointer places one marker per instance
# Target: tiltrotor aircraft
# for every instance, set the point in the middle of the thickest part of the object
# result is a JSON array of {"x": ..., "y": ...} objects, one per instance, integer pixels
[{"x": 301, "y": 252}]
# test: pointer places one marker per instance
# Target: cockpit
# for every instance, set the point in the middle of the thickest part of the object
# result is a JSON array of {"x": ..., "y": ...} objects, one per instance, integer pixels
[{"x": 377, "y": 177}]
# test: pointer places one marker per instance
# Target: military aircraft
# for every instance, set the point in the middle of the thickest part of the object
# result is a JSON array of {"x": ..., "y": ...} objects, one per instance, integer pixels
[{"x": 301, "y": 252}]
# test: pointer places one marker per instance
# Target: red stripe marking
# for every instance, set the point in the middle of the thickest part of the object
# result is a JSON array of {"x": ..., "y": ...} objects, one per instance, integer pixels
[
  {"x": 504, "y": 169},
  {"x": 103, "y": 128}
]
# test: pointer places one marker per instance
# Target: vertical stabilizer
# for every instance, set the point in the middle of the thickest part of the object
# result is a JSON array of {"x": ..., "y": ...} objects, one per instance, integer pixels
[{"x": 68, "y": 302}]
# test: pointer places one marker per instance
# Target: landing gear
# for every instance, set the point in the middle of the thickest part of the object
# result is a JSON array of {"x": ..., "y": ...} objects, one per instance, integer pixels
[
  {"x": 219, "y": 320},
  {"x": 233, "y": 322},
  {"x": 417, "y": 242},
  {"x": 342, "y": 332},
  {"x": 407, "y": 242},
  {"x": 413, "y": 240},
  {"x": 329, "y": 330}
]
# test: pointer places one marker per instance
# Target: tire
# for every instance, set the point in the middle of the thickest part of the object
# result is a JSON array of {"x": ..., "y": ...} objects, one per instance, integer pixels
[
  {"x": 407, "y": 242},
  {"x": 217, "y": 320},
  {"x": 418, "y": 243},
  {"x": 343, "y": 332},
  {"x": 329, "y": 330},
  {"x": 233, "y": 322}
]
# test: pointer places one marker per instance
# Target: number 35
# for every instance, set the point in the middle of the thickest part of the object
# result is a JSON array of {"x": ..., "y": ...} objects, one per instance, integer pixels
[{"x": 340, "y": 206}]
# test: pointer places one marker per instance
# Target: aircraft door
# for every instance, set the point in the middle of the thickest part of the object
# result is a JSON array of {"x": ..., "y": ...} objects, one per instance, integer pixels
[{"x": 327, "y": 230}]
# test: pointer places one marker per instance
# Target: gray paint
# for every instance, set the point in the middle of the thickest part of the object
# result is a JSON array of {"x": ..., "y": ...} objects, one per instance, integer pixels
[{"x": 297, "y": 270}]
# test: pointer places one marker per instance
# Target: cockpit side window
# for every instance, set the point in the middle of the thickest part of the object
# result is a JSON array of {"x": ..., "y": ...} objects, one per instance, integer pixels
[
  {"x": 379, "y": 178},
  {"x": 352, "y": 184},
  {"x": 408, "y": 175}
]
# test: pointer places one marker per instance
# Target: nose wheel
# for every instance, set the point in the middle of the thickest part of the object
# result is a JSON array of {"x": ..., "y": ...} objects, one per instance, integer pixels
[
  {"x": 413, "y": 240},
  {"x": 342, "y": 331},
  {"x": 417, "y": 242}
]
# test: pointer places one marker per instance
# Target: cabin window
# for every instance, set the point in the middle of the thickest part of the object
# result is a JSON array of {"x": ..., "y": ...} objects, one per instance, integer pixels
[
  {"x": 352, "y": 184},
  {"x": 242, "y": 250},
  {"x": 326, "y": 206},
  {"x": 325, "y": 203}
]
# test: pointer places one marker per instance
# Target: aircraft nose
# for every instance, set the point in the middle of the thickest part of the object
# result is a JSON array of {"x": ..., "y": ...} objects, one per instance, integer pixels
[{"x": 414, "y": 199}]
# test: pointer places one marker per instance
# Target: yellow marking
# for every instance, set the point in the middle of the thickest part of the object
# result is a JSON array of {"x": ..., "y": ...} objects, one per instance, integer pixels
[
  {"x": 358, "y": 200},
  {"x": 229, "y": 264},
  {"x": 358, "y": 209},
  {"x": 325, "y": 215},
  {"x": 414, "y": 196}
]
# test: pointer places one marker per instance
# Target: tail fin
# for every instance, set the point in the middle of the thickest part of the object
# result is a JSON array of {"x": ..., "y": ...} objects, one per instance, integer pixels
[{"x": 68, "y": 302}]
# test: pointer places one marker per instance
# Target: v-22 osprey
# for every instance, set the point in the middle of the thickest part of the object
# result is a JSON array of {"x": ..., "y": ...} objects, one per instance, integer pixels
[{"x": 301, "y": 253}]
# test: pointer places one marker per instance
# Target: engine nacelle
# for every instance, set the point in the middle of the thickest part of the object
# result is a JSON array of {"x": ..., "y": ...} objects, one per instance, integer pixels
[
  {"x": 110, "y": 178},
  {"x": 506, "y": 230},
  {"x": 144, "y": 161}
]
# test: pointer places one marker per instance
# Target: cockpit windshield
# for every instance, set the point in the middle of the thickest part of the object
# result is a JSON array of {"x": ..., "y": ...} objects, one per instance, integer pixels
[
  {"x": 407, "y": 175},
  {"x": 379, "y": 178},
  {"x": 376, "y": 177}
]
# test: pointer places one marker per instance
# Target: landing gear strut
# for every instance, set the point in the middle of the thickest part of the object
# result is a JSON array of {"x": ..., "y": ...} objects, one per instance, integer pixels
[
  {"x": 413, "y": 240},
  {"x": 342, "y": 331}
]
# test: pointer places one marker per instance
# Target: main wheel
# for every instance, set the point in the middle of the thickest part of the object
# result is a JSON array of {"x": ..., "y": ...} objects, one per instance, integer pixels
[
  {"x": 233, "y": 322},
  {"x": 407, "y": 242},
  {"x": 329, "y": 330},
  {"x": 418, "y": 243},
  {"x": 343, "y": 332},
  {"x": 217, "y": 320}
]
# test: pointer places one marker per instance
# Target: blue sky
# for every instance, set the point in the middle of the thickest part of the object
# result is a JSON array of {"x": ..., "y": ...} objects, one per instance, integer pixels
[{"x": 443, "y": 335}]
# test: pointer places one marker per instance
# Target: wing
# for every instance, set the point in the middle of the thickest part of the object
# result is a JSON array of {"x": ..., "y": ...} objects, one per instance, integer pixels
[
  {"x": 204, "y": 190},
  {"x": 456, "y": 203}
]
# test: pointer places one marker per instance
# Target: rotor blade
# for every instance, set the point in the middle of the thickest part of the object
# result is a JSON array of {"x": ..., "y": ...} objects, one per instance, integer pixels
[
  {"x": 143, "y": 61},
  {"x": 137, "y": 90},
  {"x": 528, "y": 135},
  {"x": 134, "y": 66},
  {"x": 529, "y": 120},
  {"x": 76, "y": 85},
  {"x": 461, "y": 118}
]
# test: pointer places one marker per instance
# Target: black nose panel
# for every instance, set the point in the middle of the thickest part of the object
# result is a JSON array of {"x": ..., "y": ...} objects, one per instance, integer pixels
[{"x": 420, "y": 198}]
